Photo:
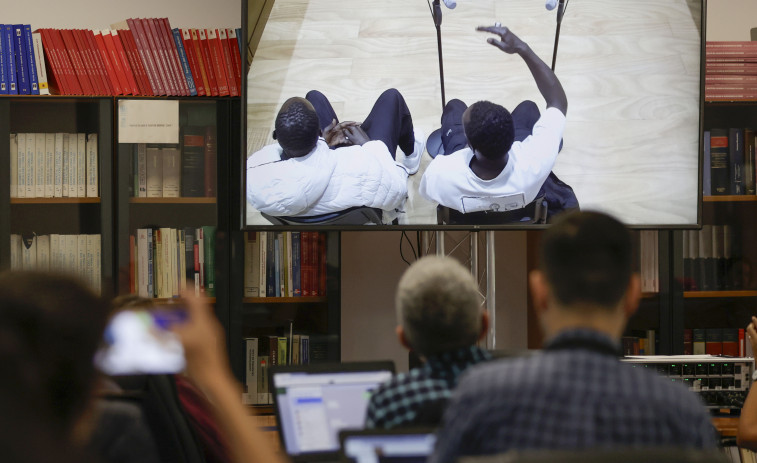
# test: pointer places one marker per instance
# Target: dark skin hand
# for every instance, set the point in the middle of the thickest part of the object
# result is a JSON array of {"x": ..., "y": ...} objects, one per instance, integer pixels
[
  {"x": 357, "y": 135},
  {"x": 336, "y": 134}
]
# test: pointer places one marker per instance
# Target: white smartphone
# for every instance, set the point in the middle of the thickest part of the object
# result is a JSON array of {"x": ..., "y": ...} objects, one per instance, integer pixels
[{"x": 140, "y": 342}]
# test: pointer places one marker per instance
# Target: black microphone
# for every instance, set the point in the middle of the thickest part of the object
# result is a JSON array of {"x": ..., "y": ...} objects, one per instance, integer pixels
[
  {"x": 437, "y": 13},
  {"x": 560, "y": 11}
]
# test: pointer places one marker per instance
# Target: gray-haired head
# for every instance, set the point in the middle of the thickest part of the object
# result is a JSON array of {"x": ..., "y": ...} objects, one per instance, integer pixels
[{"x": 438, "y": 306}]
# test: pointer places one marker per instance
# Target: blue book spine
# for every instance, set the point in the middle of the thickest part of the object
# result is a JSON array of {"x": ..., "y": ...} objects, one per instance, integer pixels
[
  {"x": 277, "y": 264},
  {"x": 736, "y": 145},
  {"x": 184, "y": 61},
  {"x": 239, "y": 42},
  {"x": 10, "y": 53},
  {"x": 297, "y": 290},
  {"x": 150, "y": 286},
  {"x": 22, "y": 71},
  {"x": 31, "y": 63},
  {"x": 706, "y": 178},
  {"x": 3, "y": 64}
]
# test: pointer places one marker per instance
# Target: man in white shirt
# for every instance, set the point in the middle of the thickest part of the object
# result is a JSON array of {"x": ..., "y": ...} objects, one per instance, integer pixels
[
  {"x": 498, "y": 154},
  {"x": 302, "y": 175}
]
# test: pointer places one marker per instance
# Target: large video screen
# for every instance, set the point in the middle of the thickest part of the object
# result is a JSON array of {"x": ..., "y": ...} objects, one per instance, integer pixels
[{"x": 341, "y": 98}]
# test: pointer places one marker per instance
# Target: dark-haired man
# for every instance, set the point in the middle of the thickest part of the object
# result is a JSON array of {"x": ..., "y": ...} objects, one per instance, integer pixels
[
  {"x": 302, "y": 175},
  {"x": 576, "y": 394},
  {"x": 495, "y": 153}
]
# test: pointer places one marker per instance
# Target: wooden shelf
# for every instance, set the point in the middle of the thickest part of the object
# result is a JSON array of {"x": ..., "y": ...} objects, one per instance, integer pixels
[
  {"x": 649, "y": 295},
  {"x": 730, "y": 198},
  {"x": 260, "y": 409},
  {"x": 174, "y": 300},
  {"x": 726, "y": 426},
  {"x": 713, "y": 294},
  {"x": 284, "y": 300},
  {"x": 202, "y": 200},
  {"x": 55, "y": 200}
]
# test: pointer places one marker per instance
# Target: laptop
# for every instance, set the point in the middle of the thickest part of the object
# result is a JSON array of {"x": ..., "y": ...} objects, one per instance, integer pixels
[
  {"x": 313, "y": 403},
  {"x": 387, "y": 446}
]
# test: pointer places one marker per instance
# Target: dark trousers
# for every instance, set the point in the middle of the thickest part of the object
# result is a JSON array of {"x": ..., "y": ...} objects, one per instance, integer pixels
[
  {"x": 559, "y": 195},
  {"x": 388, "y": 121}
]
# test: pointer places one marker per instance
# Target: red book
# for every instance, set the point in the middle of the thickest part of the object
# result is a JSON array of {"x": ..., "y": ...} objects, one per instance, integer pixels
[
  {"x": 322, "y": 263},
  {"x": 132, "y": 282},
  {"x": 211, "y": 149},
  {"x": 73, "y": 79},
  {"x": 216, "y": 56},
  {"x": 136, "y": 62},
  {"x": 223, "y": 39},
  {"x": 89, "y": 65},
  {"x": 208, "y": 61},
  {"x": 315, "y": 263},
  {"x": 160, "y": 56},
  {"x": 173, "y": 55},
  {"x": 111, "y": 72},
  {"x": 236, "y": 57},
  {"x": 132, "y": 87},
  {"x": 100, "y": 64},
  {"x": 194, "y": 67},
  {"x": 56, "y": 77},
  {"x": 197, "y": 46},
  {"x": 742, "y": 344},
  {"x": 73, "y": 53},
  {"x": 115, "y": 61},
  {"x": 156, "y": 82}
]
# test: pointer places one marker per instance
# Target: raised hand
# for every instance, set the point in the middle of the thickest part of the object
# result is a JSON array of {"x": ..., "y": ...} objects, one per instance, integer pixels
[{"x": 508, "y": 41}]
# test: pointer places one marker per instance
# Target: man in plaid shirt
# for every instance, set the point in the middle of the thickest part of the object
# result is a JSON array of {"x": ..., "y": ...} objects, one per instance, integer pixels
[
  {"x": 576, "y": 394},
  {"x": 441, "y": 319}
]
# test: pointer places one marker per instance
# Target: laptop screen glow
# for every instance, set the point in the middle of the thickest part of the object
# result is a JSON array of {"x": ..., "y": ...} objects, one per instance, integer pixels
[{"x": 391, "y": 448}]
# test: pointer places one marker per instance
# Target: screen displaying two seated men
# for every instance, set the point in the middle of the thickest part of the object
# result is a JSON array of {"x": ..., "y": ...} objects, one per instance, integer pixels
[{"x": 624, "y": 138}]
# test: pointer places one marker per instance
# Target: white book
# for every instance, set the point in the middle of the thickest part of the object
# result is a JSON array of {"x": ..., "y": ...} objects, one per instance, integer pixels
[
  {"x": 72, "y": 254},
  {"x": 43, "y": 253},
  {"x": 141, "y": 170},
  {"x": 21, "y": 156},
  {"x": 165, "y": 261},
  {"x": 73, "y": 165},
  {"x": 81, "y": 165},
  {"x": 29, "y": 252},
  {"x": 81, "y": 257},
  {"x": 142, "y": 271},
  {"x": 55, "y": 253},
  {"x": 93, "y": 190},
  {"x": 171, "y": 172},
  {"x": 97, "y": 269},
  {"x": 262, "y": 237},
  {"x": 263, "y": 396},
  {"x": 66, "y": 165},
  {"x": 49, "y": 165},
  {"x": 39, "y": 165},
  {"x": 90, "y": 261},
  {"x": 58, "y": 172},
  {"x": 174, "y": 256},
  {"x": 15, "y": 252},
  {"x": 39, "y": 63},
  {"x": 182, "y": 261},
  {"x": 251, "y": 370},
  {"x": 31, "y": 152},
  {"x": 154, "y": 172},
  {"x": 14, "y": 165}
]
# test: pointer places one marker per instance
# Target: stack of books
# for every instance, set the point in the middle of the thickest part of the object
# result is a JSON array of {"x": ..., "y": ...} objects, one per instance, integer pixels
[
  {"x": 135, "y": 57},
  {"x": 715, "y": 341},
  {"x": 22, "y": 65},
  {"x": 730, "y": 71},
  {"x": 53, "y": 165},
  {"x": 712, "y": 259},
  {"x": 266, "y": 352},
  {"x": 729, "y": 162}
]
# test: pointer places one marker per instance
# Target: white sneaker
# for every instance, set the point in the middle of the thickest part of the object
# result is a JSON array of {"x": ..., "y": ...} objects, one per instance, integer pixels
[{"x": 412, "y": 162}]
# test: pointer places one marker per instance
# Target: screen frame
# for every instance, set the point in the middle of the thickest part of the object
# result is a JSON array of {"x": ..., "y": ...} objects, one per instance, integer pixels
[{"x": 241, "y": 173}]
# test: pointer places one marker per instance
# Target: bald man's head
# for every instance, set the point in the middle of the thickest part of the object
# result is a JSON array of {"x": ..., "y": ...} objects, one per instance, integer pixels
[{"x": 297, "y": 127}]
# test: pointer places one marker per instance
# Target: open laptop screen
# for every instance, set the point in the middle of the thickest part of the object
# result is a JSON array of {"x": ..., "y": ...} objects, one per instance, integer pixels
[
  {"x": 377, "y": 446},
  {"x": 313, "y": 406}
]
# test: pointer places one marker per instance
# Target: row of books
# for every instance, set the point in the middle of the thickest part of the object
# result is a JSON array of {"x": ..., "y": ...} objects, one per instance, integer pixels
[
  {"x": 649, "y": 261},
  {"x": 266, "y": 352},
  {"x": 640, "y": 343},
  {"x": 729, "y": 162},
  {"x": 53, "y": 165},
  {"x": 715, "y": 341},
  {"x": 712, "y": 259},
  {"x": 143, "y": 56},
  {"x": 22, "y": 65},
  {"x": 163, "y": 262},
  {"x": 730, "y": 71},
  {"x": 70, "y": 254},
  {"x": 284, "y": 264},
  {"x": 736, "y": 454},
  {"x": 188, "y": 170}
]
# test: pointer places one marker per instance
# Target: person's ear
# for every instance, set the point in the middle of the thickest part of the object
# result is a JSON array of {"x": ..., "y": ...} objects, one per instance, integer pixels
[
  {"x": 274, "y": 134},
  {"x": 632, "y": 297},
  {"x": 539, "y": 291},
  {"x": 402, "y": 338},
  {"x": 484, "y": 325}
]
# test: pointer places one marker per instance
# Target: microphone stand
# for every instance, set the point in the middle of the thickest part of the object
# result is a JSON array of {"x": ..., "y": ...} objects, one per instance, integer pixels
[
  {"x": 434, "y": 141},
  {"x": 560, "y": 13}
]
